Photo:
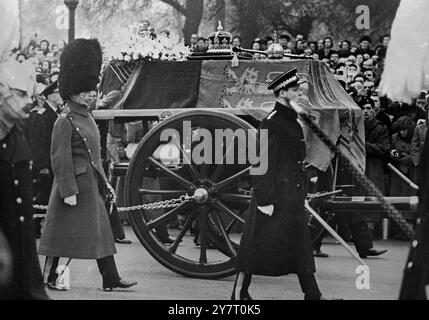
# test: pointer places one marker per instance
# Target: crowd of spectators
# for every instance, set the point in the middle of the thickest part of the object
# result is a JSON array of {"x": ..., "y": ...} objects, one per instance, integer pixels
[{"x": 45, "y": 57}]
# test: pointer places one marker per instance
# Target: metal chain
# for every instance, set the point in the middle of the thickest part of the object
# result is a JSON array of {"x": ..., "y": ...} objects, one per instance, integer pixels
[{"x": 172, "y": 203}]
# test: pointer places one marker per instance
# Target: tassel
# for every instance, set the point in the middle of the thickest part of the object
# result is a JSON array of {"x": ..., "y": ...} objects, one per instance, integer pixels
[{"x": 235, "y": 61}]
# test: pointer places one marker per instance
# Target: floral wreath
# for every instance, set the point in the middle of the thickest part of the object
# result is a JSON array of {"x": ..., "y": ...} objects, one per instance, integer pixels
[{"x": 132, "y": 45}]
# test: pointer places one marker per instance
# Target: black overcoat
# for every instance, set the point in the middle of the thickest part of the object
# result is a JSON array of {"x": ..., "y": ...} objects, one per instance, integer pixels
[
  {"x": 279, "y": 244},
  {"x": 16, "y": 218},
  {"x": 416, "y": 273},
  {"x": 39, "y": 129}
]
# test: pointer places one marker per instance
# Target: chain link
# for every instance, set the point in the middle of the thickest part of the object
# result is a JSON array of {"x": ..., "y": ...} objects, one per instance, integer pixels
[{"x": 172, "y": 203}]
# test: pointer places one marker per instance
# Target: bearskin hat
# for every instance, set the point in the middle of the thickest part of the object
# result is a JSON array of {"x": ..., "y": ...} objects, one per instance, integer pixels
[{"x": 80, "y": 66}]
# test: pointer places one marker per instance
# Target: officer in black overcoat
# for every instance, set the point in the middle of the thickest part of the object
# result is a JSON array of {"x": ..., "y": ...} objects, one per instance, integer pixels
[
  {"x": 276, "y": 240},
  {"x": 16, "y": 212},
  {"x": 39, "y": 135},
  {"x": 415, "y": 282}
]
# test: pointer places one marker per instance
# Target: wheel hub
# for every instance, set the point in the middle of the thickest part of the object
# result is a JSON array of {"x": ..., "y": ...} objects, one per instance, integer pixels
[{"x": 201, "y": 195}]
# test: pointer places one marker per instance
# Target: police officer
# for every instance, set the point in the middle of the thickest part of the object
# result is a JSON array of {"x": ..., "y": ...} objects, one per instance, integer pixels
[
  {"x": 39, "y": 135},
  {"x": 16, "y": 213},
  {"x": 276, "y": 240}
]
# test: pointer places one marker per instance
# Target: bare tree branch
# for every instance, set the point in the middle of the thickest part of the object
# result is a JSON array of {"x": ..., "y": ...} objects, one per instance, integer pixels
[{"x": 176, "y": 5}]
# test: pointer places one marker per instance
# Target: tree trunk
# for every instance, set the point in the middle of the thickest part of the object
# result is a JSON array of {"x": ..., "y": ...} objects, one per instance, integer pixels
[
  {"x": 193, "y": 17},
  {"x": 304, "y": 26},
  {"x": 248, "y": 21}
]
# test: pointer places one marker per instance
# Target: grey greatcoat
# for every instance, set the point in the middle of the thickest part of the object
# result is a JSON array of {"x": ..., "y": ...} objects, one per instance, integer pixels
[
  {"x": 83, "y": 231},
  {"x": 279, "y": 244}
]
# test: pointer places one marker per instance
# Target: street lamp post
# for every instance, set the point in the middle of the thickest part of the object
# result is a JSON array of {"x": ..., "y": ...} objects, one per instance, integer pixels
[{"x": 71, "y": 5}]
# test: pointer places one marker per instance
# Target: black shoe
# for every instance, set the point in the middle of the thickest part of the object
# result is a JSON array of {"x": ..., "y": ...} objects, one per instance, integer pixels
[
  {"x": 53, "y": 287},
  {"x": 320, "y": 254},
  {"x": 122, "y": 284},
  {"x": 167, "y": 241},
  {"x": 243, "y": 296},
  {"x": 372, "y": 253},
  {"x": 123, "y": 241}
]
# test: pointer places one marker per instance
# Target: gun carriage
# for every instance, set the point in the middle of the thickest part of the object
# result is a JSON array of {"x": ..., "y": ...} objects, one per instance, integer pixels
[{"x": 189, "y": 102}]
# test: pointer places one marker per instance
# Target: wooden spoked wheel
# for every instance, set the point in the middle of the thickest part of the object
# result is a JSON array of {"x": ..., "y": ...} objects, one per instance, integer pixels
[{"x": 165, "y": 170}]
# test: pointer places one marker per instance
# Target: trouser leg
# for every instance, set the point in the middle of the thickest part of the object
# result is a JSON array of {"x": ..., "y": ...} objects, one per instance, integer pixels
[
  {"x": 361, "y": 236},
  {"x": 108, "y": 270},
  {"x": 309, "y": 286},
  {"x": 241, "y": 285},
  {"x": 50, "y": 269}
]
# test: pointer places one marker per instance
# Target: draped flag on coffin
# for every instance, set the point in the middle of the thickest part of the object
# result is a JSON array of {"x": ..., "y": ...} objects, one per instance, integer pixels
[{"x": 216, "y": 84}]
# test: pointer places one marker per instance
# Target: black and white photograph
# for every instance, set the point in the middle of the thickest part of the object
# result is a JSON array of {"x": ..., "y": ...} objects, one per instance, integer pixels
[{"x": 214, "y": 155}]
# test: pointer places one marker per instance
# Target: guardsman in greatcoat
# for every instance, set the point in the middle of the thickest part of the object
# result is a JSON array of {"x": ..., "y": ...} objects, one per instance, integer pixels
[{"x": 77, "y": 222}]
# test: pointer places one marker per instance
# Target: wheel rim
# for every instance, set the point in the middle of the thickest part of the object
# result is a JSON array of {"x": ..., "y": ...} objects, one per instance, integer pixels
[{"x": 218, "y": 206}]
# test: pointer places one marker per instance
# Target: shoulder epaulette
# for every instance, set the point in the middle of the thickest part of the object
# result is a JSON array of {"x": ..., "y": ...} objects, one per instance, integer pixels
[
  {"x": 65, "y": 112},
  {"x": 41, "y": 111}
]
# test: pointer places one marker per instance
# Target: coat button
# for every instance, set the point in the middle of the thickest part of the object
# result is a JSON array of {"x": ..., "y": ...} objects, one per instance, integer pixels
[
  {"x": 21, "y": 218},
  {"x": 415, "y": 243},
  {"x": 410, "y": 265},
  {"x": 77, "y": 129},
  {"x": 85, "y": 139},
  {"x": 89, "y": 150},
  {"x": 298, "y": 185},
  {"x": 18, "y": 200},
  {"x": 16, "y": 183},
  {"x": 4, "y": 145}
]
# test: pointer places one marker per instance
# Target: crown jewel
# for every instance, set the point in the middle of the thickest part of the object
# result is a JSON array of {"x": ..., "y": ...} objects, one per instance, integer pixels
[{"x": 220, "y": 41}]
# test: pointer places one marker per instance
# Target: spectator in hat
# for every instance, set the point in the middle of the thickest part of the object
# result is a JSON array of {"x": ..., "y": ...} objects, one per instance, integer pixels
[
  {"x": 344, "y": 51},
  {"x": 382, "y": 48},
  {"x": 365, "y": 46},
  {"x": 283, "y": 40},
  {"x": 400, "y": 156}
]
